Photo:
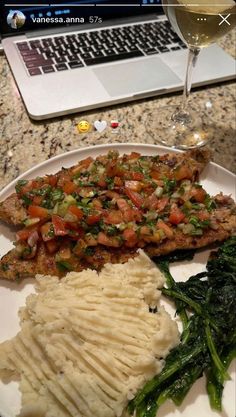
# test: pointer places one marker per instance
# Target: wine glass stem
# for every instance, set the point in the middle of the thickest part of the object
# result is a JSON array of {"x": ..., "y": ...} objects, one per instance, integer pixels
[
  {"x": 192, "y": 60},
  {"x": 182, "y": 116}
]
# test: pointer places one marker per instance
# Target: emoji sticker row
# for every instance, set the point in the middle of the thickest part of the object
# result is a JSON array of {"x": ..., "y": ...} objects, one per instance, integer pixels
[{"x": 99, "y": 125}]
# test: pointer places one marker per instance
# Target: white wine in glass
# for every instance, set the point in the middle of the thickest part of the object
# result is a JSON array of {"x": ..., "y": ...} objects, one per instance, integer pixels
[{"x": 198, "y": 23}]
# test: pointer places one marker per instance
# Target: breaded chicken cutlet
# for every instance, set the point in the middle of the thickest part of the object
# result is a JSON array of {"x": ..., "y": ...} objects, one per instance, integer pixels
[{"x": 102, "y": 210}]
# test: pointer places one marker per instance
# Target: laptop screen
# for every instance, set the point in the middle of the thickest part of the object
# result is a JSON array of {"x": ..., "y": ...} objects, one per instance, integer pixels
[{"x": 33, "y": 15}]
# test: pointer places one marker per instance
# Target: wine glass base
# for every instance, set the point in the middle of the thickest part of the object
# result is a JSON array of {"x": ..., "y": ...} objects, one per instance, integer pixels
[{"x": 185, "y": 130}]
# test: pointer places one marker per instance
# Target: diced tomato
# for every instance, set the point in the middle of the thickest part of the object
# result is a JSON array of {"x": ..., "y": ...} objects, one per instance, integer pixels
[
  {"x": 129, "y": 214},
  {"x": 82, "y": 164},
  {"x": 136, "y": 198},
  {"x": 111, "y": 169},
  {"x": 76, "y": 211},
  {"x": 59, "y": 226},
  {"x": 118, "y": 171},
  {"x": 25, "y": 233},
  {"x": 130, "y": 238},
  {"x": 93, "y": 218},
  {"x": 102, "y": 181},
  {"x": 198, "y": 194},
  {"x": 183, "y": 172},
  {"x": 97, "y": 204},
  {"x": 113, "y": 217},
  {"x": 52, "y": 180},
  {"x": 166, "y": 229},
  {"x": 37, "y": 211},
  {"x": 118, "y": 182},
  {"x": 151, "y": 202},
  {"x": 176, "y": 216},
  {"x": 47, "y": 231},
  {"x": 74, "y": 232},
  {"x": 137, "y": 176},
  {"x": 203, "y": 215},
  {"x": 156, "y": 175},
  {"x": 145, "y": 231},
  {"x": 37, "y": 200},
  {"x": 112, "y": 194},
  {"x": 111, "y": 241},
  {"x": 69, "y": 187},
  {"x": 52, "y": 245},
  {"x": 36, "y": 184},
  {"x": 162, "y": 203},
  {"x": 134, "y": 155},
  {"x": 86, "y": 162}
]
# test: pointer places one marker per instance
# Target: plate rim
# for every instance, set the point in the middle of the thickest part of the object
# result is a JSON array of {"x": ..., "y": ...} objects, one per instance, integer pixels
[{"x": 8, "y": 187}]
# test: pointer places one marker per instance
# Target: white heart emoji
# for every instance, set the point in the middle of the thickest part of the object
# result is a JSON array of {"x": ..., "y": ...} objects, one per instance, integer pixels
[{"x": 100, "y": 125}]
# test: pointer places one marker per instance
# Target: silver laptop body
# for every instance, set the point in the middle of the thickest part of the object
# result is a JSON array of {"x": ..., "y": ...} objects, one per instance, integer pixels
[{"x": 78, "y": 89}]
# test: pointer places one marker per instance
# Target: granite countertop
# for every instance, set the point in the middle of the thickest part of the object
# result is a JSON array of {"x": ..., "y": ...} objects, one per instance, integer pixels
[{"x": 25, "y": 143}]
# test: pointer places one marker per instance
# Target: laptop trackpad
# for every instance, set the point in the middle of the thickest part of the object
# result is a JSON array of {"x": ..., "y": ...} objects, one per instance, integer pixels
[{"x": 137, "y": 76}]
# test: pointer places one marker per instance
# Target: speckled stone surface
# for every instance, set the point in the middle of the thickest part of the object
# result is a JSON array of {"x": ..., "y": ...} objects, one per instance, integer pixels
[{"x": 25, "y": 143}]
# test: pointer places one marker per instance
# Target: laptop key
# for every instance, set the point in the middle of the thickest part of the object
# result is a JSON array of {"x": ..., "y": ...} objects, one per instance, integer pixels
[
  {"x": 60, "y": 59},
  {"x": 73, "y": 57},
  {"x": 121, "y": 50},
  {"x": 62, "y": 52},
  {"x": 132, "y": 48},
  {"x": 34, "y": 71},
  {"x": 29, "y": 52},
  {"x": 86, "y": 55},
  {"x": 39, "y": 63},
  {"x": 110, "y": 58},
  {"x": 48, "y": 69},
  {"x": 33, "y": 58},
  {"x": 163, "y": 49},
  {"x": 22, "y": 46},
  {"x": 109, "y": 52},
  {"x": 151, "y": 51},
  {"x": 61, "y": 67},
  {"x": 75, "y": 64},
  {"x": 97, "y": 54},
  {"x": 35, "y": 44}
]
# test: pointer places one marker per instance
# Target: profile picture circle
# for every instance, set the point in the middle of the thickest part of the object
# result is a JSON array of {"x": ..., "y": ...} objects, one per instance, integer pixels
[{"x": 16, "y": 19}]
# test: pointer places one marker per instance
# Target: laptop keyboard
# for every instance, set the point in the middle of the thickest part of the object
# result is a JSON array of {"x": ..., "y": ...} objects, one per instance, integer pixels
[{"x": 61, "y": 53}]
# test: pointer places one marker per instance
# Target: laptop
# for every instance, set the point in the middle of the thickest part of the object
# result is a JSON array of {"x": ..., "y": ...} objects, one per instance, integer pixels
[{"x": 77, "y": 56}]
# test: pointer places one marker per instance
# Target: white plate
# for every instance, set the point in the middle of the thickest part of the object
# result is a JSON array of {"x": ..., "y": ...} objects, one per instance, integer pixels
[{"x": 12, "y": 295}]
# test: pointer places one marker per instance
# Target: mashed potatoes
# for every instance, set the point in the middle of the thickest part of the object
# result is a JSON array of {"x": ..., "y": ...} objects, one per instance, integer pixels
[{"x": 88, "y": 342}]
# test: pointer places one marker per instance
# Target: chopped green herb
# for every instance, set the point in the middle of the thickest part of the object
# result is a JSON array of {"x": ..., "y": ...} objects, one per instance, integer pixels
[
  {"x": 20, "y": 184},
  {"x": 5, "y": 267},
  {"x": 195, "y": 221},
  {"x": 89, "y": 251},
  {"x": 43, "y": 191},
  {"x": 57, "y": 194},
  {"x": 110, "y": 183},
  {"x": 169, "y": 185},
  {"x": 27, "y": 200},
  {"x": 64, "y": 266},
  {"x": 210, "y": 203},
  {"x": 111, "y": 230}
]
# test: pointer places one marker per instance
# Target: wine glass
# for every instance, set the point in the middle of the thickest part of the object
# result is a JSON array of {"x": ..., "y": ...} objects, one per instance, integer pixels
[{"x": 199, "y": 24}]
